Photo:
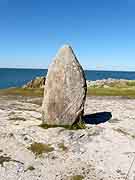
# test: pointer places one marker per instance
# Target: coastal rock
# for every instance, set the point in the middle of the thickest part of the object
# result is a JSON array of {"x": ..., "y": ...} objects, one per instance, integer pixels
[
  {"x": 65, "y": 90},
  {"x": 111, "y": 83},
  {"x": 38, "y": 82}
]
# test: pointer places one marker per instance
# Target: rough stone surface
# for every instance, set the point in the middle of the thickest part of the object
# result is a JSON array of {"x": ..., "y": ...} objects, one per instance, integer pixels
[
  {"x": 38, "y": 82},
  {"x": 65, "y": 89}
]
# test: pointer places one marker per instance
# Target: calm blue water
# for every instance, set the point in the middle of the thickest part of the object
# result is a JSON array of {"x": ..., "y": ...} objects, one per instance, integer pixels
[{"x": 18, "y": 77}]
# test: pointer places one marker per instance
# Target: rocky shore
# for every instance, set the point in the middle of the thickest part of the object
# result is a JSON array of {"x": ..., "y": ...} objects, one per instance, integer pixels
[
  {"x": 39, "y": 82},
  {"x": 111, "y": 83},
  {"x": 103, "y": 151}
]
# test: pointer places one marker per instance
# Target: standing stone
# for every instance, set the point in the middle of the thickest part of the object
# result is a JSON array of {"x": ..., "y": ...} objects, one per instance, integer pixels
[{"x": 65, "y": 90}]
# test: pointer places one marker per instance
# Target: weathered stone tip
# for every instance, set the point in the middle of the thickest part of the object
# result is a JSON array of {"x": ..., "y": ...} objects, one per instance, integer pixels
[{"x": 66, "y": 46}]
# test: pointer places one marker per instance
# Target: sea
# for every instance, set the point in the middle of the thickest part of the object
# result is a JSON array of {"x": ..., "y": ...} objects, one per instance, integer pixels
[{"x": 11, "y": 77}]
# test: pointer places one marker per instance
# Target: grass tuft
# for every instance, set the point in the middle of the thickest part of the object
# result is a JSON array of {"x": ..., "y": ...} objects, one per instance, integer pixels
[
  {"x": 77, "y": 177},
  {"x": 127, "y": 90},
  {"x": 39, "y": 148}
]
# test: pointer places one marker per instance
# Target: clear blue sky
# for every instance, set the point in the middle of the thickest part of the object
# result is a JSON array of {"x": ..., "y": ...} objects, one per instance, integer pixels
[{"x": 102, "y": 32}]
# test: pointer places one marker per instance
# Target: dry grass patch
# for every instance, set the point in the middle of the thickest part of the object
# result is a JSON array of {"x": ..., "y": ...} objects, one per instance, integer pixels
[
  {"x": 127, "y": 90},
  {"x": 39, "y": 148},
  {"x": 36, "y": 92},
  {"x": 112, "y": 91},
  {"x": 75, "y": 126},
  {"x": 77, "y": 177}
]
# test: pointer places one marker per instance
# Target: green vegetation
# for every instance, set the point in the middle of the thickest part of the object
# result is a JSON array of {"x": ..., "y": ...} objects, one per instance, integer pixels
[
  {"x": 131, "y": 83},
  {"x": 47, "y": 126},
  {"x": 77, "y": 177},
  {"x": 39, "y": 148},
  {"x": 75, "y": 126},
  {"x": 111, "y": 91},
  {"x": 22, "y": 91},
  {"x": 78, "y": 125},
  {"x": 125, "y": 89}
]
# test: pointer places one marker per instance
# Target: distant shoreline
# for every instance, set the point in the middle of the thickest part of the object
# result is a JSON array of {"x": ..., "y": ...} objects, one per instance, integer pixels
[
  {"x": 101, "y": 70},
  {"x": 10, "y": 77},
  {"x": 107, "y": 87}
]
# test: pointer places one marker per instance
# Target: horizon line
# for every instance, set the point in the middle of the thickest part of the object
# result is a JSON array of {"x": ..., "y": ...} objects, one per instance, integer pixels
[{"x": 38, "y": 68}]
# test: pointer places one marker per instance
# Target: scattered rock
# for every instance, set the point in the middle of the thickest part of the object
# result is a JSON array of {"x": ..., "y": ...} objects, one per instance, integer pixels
[
  {"x": 38, "y": 82},
  {"x": 111, "y": 83}
]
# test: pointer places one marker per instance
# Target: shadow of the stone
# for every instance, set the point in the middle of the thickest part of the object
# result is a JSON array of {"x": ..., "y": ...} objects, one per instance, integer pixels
[{"x": 97, "y": 118}]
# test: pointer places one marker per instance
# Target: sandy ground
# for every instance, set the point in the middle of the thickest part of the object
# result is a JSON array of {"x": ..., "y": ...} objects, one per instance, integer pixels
[{"x": 100, "y": 152}]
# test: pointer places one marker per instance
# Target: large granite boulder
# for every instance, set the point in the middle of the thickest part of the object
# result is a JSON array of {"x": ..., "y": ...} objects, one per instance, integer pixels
[{"x": 65, "y": 90}]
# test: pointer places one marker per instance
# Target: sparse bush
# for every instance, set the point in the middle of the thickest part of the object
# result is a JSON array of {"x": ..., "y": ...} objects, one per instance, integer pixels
[{"x": 39, "y": 148}]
